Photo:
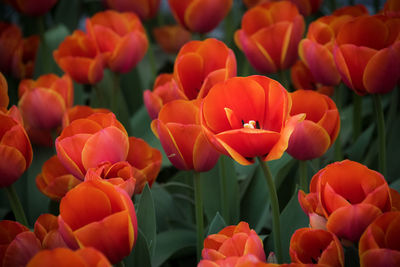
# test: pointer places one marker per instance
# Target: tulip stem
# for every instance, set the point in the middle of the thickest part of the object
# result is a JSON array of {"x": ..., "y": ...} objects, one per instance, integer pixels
[
  {"x": 338, "y": 153},
  {"x": 199, "y": 213},
  {"x": 120, "y": 264},
  {"x": 333, "y": 5},
  {"x": 357, "y": 115},
  {"x": 276, "y": 231},
  {"x": 116, "y": 90},
  {"x": 380, "y": 121},
  {"x": 16, "y": 205},
  {"x": 283, "y": 80},
  {"x": 303, "y": 175},
  {"x": 223, "y": 193}
]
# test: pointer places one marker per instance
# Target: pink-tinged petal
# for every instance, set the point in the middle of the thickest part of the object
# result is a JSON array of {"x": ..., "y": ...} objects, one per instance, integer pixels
[
  {"x": 290, "y": 43},
  {"x": 212, "y": 79},
  {"x": 212, "y": 254},
  {"x": 24, "y": 246},
  {"x": 317, "y": 221},
  {"x": 153, "y": 103},
  {"x": 255, "y": 247},
  {"x": 110, "y": 144},
  {"x": 380, "y": 258},
  {"x": 44, "y": 224},
  {"x": 67, "y": 234},
  {"x": 53, "y": 240},
  {"x": 12, "y": 165},
  {"x": 16, "y": 137},
  {"x": 380, "y": 196},
  {"x": 189, "y": 73},
  {"x": 205, "y": 156},
  {"x": 331, "y": 122},
  {"x": 351, "y": 221},
  {"x": 234, "y": 246}
]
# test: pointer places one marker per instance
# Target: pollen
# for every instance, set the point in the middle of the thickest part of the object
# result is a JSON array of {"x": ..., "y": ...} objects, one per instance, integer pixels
[{"x": 251, "y": 124}]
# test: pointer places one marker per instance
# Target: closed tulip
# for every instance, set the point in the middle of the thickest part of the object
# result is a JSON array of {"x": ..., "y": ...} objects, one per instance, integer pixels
[
  {"x": 199, "y": 15},
  {"x": 24, "y": 58},
  {"x": 32, "y": 7},
  {"x": 315, "y": 135},
  {"x": 80, "y": 112},
  {"x": 171, "y": 37},
  {"x": 121, "y": 38},
  {"x": 247, "y": 117},
  {"x": 46, "y": 230},
  {"x": 145, "y": 9},
  {"x": 270, "y": 35},
  {"x": 106, "y": 221},
  {"x": 8, "y": 231}
]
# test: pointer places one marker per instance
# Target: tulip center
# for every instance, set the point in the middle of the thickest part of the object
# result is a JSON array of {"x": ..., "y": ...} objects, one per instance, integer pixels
[{"x": 251, "y": 124}]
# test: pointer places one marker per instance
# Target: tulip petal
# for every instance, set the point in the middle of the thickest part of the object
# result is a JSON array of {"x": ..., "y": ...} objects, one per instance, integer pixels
[
  {"x": 380, "y": 258},
  {"x": 24, "y": 246},
  {"x": 204, "y": 155},
  {"x": 12, "y": 165},
  {"x": 189, "y": 72}
]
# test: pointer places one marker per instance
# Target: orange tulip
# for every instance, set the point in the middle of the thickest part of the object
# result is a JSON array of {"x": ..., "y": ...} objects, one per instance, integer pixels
[
  {"x": 145, "y": 9},
  {"x": 80, "y": 112},
  {"x": 32, "y": 7},
  {"x": 79, "y": 56},
  {"x": 270, "y": 35},
  {"x": 171, "y": 37},
  {"x": 63, "y": 257},
  {"x": 164, "y": 90},
  {"x": 43, "y": 103},
  {"x": 55, "y": 180},
  {"x": 233, "y": 241},
  {"x": 199, "y": 15},
  {"x": 121, "y": 38},
  {"x": 85, "y": 143},
  {"x": 367, "y": 54},
  {"x": 310, "y": 246},
  {"x": 201, "y": 64},
  {"x": 347, "y": 197},
  {"x": 247, "y": 117},
  {"x": 181, "y": 136},
  {"x": 15, "y": 149},
  {"x": 106, "y": 221},
  {"x": 379, "y": 245},
  {"x": 312, "y": 137}
]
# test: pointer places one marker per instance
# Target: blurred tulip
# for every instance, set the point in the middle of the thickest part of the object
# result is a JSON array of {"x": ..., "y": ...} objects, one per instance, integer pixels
[
  {"x": 32, "y": 7},
  {"x": 349, "y": 196},
  {"x": 43, "y": 103},
  {"x": 310, "y": 246},
  {"x": 79, "y": 56},
  {"x": 55, "y": 180},
  {"x": 233, "y": 241},
  {"x": 247, "y": 117},
  {"x": 200, "y": 16},
  {"x": 201, "y": 64},
  {"x": 4, "y": 99},
  {"x": 10, "y": 39},
  {"x": 367, "y": 54},
  {"x": 80, "y": 112},
  {"x": 145, "y": 9},
  {"x": 87, "y": 142},
  {"x": 306, "y": 7},
  {"x": 63, "y": 257},
  {"x": 164, "y": 90},
  {"x": 46, "y": 230},
  {"x": 315, "y": 135},
  {"x": 379, "y": 245},
  {"x": 24, "y": 58},
  {"x": 171, "y": 37},
  {"x": 121, "y": 38},
  {"x": 392, "y": 8},
  {"x": 181, "y": 136},
  {"x": 270, "y": 35},
  {"x": 107, "y": 220},
  {"x": 352, "y": 11},
  {"x": 8, "y": 231},
  {"x": 15, "y": 149}
]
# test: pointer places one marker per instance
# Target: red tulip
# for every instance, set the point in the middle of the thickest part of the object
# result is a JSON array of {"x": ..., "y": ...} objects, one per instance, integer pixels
[
  {"x": 306, "y": 7},
  {"x": 171, "y": 37},
  {"x": 46, "y": 230},
  {"x": 106, "y": 221},
  {"x": 199, "y": 15},
  {"x": 4, "y": 99},
  {"x": 201, "y": 64},
  {"x": 80, "y": 112},
  {"x": 312, "y": 137},
  {"x": 85, "y": 143},
  {"x": 63, "y": 257},
  {"x": 392, "y": 8},
  {"x": 379, "y": 245},
  {"x": 32, "y": 7},
  {"x": 8, "y": 231},
  {"x": 247, "y": 117},
  {"x": 121, "y": 38},
  {"x": 24, "y": 57},
  {"x": 10, "y": 38},
  {"x": 145, "y": 9},
  {"x": 270, "y": 35}
]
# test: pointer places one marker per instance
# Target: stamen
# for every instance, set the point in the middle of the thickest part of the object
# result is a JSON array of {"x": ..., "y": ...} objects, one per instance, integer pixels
[{"x": 251, "y": 124}]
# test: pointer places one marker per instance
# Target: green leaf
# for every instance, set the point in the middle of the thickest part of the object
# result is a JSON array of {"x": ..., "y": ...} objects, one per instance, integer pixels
[
  {"x": 166, "y": 209},
  {"x": 147, "y": 218},
  {"x": 216, "y": 225},
  {"x": 171, "y": 242},
  {"x": 357, "y": 151},
  {"x": 140, "y": 256}
]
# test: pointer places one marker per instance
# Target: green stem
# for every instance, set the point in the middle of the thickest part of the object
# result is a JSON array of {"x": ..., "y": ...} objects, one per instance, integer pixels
[
  {"x": 120, "y": 264},
  {"x": 283, "y": 80},
  {"x": 99, "y": 95},
  {"x": 351, "y": 3},
  {"x": 333, "y": 5},
  {"x": 338, "y": 153},
  {"x": 303, "y": 175},
  {"x": 229, "y": 28},
  {"x": 16, "y": 206},
  {"x": 376, "y": 5},
  {"x": 380, "y": 121},
  {"x": 245, "y": 68},
  {"x": 223, "y": 193},
  {"x": 276, "y": 231},
  {"x": 116, "y": 90},
  {"x": 199, "y": 213},
  {"x": 357, "y": 116}
]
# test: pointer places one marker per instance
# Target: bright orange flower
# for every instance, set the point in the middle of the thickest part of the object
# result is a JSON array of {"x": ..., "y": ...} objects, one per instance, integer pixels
[
  {"x": 309, "y": 246},
  {"x": 201, "y": 64},
  {"x": 106, "y": 221},
  {"x": 181, "y": 136},
  {"x": 312, "y": 137},
  {"x": 15, "y": 148},
  {"x": 87, "y": 142},
  {"x": 79, "y": 56},
  {"x": 367, "y": 54},
  {"x": 24, "y": 58},
  {"x": 121, "y": 38},
  {"x": 348, "y": 197},
  {"x": 145, "y": 9},
  {"x": 80, "y": 112},
  {"x": 199, "y": 16},
  {"x": 43, "y": 103},
  {"x": 10, "y": 38},
  {"x": 233, "y": 241},
  {"x": 55, "y": 180},
  {"x": 171, "y": 37},
  {"x": 32, "y": 7},
  {"x": 247, "y": 117},
  {"x": 379, "y": 245},
  {"x": 270, "y": 35},
  {"x": 164, "y": 90},
  {"x": 63, "y": 257}
]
